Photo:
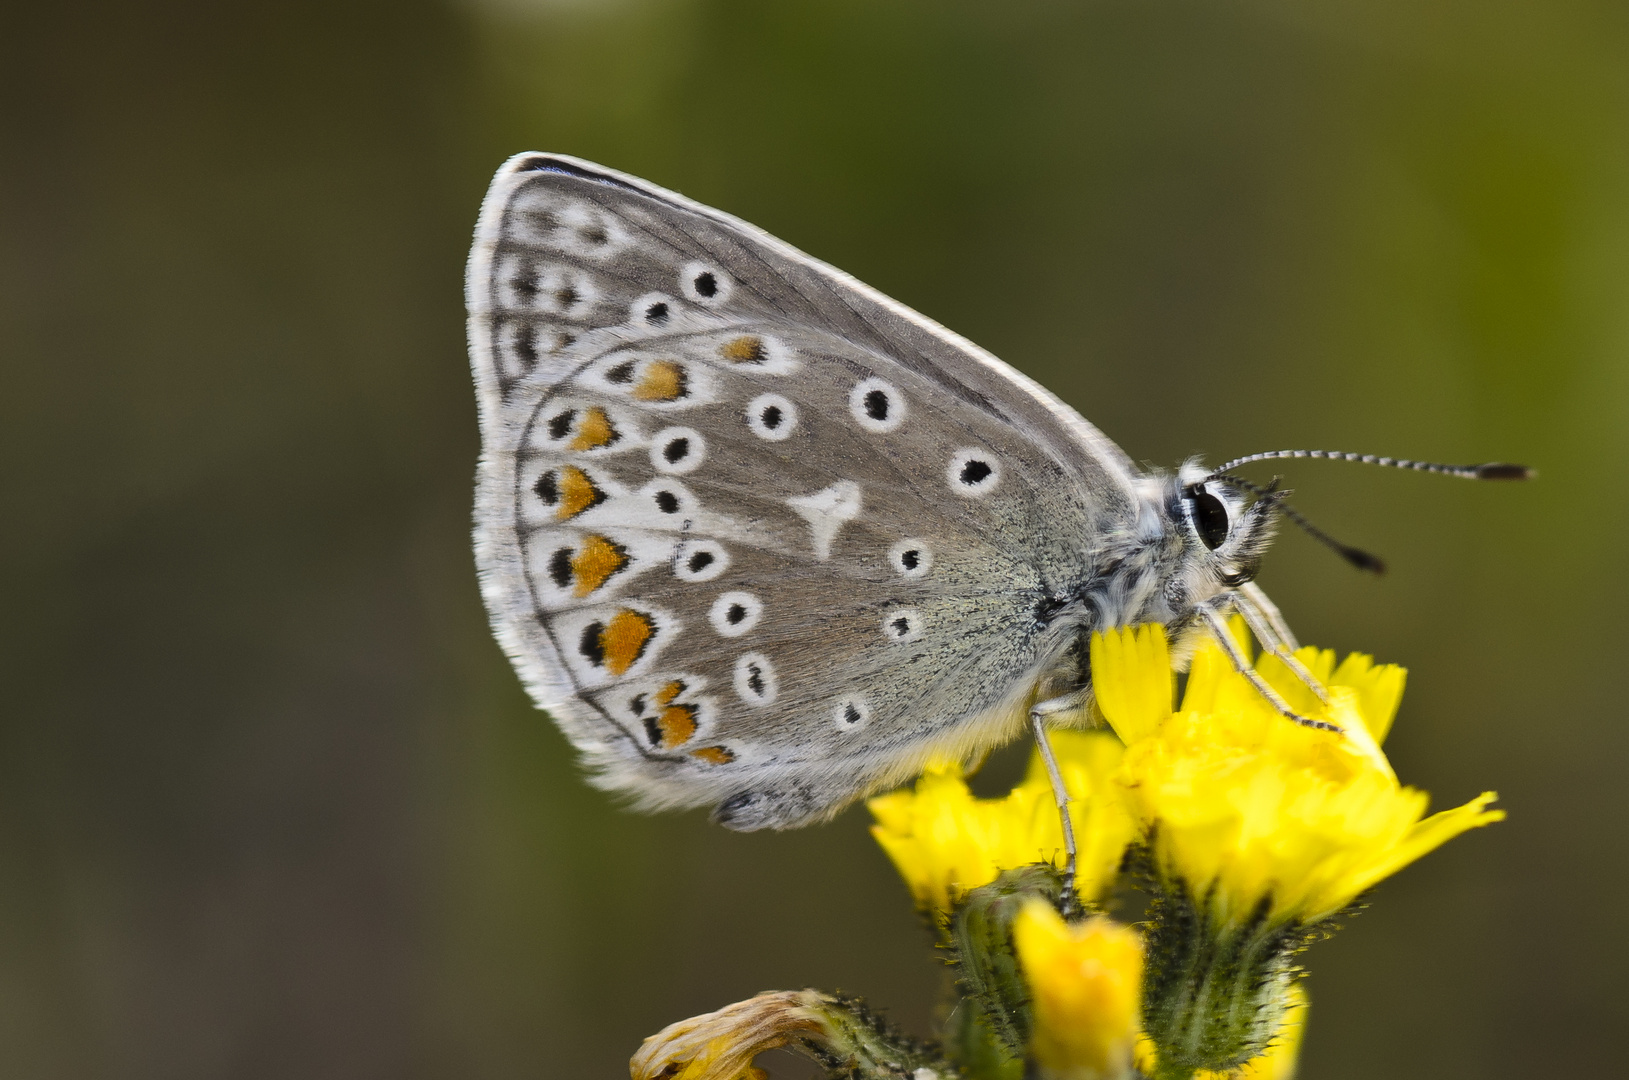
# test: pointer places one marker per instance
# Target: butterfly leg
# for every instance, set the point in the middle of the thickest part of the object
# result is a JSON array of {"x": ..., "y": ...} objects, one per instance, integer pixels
[
  {"x": 1241, "y": 664},
  {"x": 1255, "y": 595},
  {"x": 1261, "y": 615},
  {"x": 1037, "y": 724}
]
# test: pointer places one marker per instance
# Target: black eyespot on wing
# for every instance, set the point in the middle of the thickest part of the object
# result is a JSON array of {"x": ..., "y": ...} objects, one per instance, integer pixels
[
  {"x": 548, "y": 487},
  {"x": 700, "y": 561},
  {"x": 755, "y": 679},
  {"x": 735, "y": 614},
  {"x": 667, "y": 502},
  {"x": 524, "y": 284},
  {"x": 676, "y": 450},
  {"x": 911, "y": 559},
  {"x": 560, "y": 424},
  {"x": 621, "y": 374},
  {"x": 541, "y": 220},
  {"x": 657, "y": 313},
  {"x": 901, "y": 625},
  {"x": 526, "y": 344},
  {"x": 706, "y": 284},
  {"x": 876, "y": 404},
  {"x": 975, "y": 472},
  {"x": 637, "y": 704},
  {"x": 1209, "y": 518},
  {"x": 653, "y": 731},
  {"x": 560, "y": 567},
  {"x": 771, "y": 417},
  {"x": 590, "y": 645},
  {"x": 566, "y": 295},
  {"x": 851, "y": 713}
]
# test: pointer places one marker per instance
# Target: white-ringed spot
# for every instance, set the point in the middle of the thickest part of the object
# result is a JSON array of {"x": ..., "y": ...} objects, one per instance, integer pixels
[
  {"x": 653, "y": 311},
  {"x": 735, "y": 613},
  {"x": 876, "y": 405},
  {"x": 755, "y": 680},
  {"x": 902, "y": 624},
  {"x": 772, "y": 417},
  {"x": 589, "y": 231},
  {"x": 677, "y": 450},
  {"x": 911, "y": 558},
  {"x": 668, "y": 499},
  {"x": 557, "y": 290},
  {"x": 973, "y": 472},
  {"x": 535, "y": 216},
  {"x": 850, "y": 713},
  {"x": 705, "y": 284},
  {"x": 699, "y": 560},
  {"x": 522, "y": 342}
]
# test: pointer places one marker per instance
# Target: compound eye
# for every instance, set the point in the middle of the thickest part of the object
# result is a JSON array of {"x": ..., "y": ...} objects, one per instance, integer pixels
[{"x": 1210, "y": 518}]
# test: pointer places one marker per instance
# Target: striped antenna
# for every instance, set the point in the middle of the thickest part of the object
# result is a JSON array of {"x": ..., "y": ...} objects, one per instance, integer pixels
[{"x": 1492, "y": 470}]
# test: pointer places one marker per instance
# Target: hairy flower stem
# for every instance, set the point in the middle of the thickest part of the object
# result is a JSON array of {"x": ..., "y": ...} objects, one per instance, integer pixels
[{"x": 1213, "y": 997}]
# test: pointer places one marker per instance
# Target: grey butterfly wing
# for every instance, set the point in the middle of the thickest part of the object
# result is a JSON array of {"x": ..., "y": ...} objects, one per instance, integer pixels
[{"x": 754, "y": 534}]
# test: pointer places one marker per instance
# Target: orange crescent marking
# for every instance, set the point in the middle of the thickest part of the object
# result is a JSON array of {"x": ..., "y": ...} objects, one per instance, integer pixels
[
  {"x": 745, "y": 350},
  {"x": 594, "y": 431},
  {"x": 577, "y": 493},
  {"x": 663, "y": 380},
  {"x": 624, "y": 639},
  {"x": 678, "y": 723},
  {"x": 596, "y": 563}
]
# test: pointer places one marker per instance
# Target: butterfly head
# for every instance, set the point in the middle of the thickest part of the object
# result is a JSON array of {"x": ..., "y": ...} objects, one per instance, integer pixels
[{"x": 1226, "y": 532}]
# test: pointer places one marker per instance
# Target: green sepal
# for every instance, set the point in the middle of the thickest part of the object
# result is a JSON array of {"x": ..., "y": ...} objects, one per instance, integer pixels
[
  {"x": 980, "y": 934},
  {"x": 976, "y": 1050},
  {"x": 1214, "y": 997}
]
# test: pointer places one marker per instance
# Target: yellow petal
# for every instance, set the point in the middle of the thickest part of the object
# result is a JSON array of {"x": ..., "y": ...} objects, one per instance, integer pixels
[
  {"x": 1132, "y": 678},
  {"x": 1422, "y": 839},
  {"x": 944, "y": 842},
  {"x": 1379, "y": 688}
]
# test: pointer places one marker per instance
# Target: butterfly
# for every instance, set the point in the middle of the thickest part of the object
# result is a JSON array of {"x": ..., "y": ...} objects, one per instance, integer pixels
[{"x": 760, "y": 538}]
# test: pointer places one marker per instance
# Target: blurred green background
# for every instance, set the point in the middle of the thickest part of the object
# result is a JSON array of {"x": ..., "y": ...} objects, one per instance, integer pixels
[{"x": 272, "y": 803}]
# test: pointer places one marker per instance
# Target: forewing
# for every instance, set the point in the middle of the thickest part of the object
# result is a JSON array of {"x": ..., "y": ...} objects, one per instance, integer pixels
[{"x": 751, "y": 532}]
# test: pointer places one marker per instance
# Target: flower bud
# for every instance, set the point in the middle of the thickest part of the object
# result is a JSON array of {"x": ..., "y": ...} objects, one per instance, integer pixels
[{"x": 1085, "y": 982}]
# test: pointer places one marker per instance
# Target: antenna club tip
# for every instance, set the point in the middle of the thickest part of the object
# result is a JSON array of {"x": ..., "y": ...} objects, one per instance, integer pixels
[
  {"x": 1500, "y": 470},
  {"x": 1374, "y": 564}
]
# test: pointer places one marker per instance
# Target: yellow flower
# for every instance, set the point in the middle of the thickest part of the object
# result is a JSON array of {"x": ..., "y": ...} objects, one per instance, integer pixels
[
  {"x": 1277, "y": 1063},
  {"x": 1245, "y": 806},
  {"x": 1085, "y": 983},
  {"x": 945, "y": 842}
]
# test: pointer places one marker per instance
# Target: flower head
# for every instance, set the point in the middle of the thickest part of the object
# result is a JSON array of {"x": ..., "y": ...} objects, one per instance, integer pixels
[
  {"x": 1256, "y": 828},
  {"x": 1247, "y": 809},
  {"x": 1085, "y": 983},
  {"x": 945, "y": 842}
]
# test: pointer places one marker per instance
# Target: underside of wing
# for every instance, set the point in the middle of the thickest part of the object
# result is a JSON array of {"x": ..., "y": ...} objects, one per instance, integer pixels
[{"x": 753, "y": 533}]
